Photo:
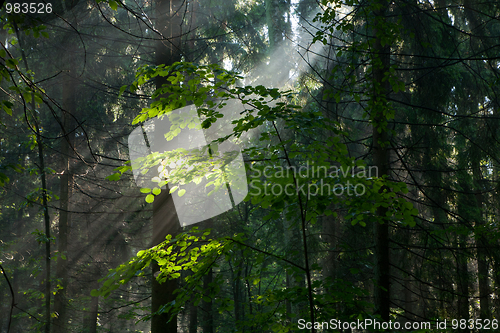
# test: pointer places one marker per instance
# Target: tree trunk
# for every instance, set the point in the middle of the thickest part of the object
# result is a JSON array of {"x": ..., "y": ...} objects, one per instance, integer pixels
[
  {"x": 165, "y": 222},
  {"x": 279, "y": 52},
  {"x": 30, "y": 109},
  {"x": 380, "y": 63},
  {"x": 90, "y": 318},
  {"x": 481, "y": 244},
  {"x": 237, "y": 292},
  {"x": 208, "y": 316},
  {"x": 481, "y": 41},
  {"x": 67, "y": 146},
  {"x": 165, "y": 219},
  {"x": 193, "y": 318},
  {"x": 463, "y": 281}
]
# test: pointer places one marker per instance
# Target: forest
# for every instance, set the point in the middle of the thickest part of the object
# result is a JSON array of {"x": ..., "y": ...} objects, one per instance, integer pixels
[{"x": 189, "y": 166}]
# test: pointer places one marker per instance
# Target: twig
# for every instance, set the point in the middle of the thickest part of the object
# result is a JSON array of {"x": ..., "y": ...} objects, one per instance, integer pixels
[{"x": 12, "y": 304}]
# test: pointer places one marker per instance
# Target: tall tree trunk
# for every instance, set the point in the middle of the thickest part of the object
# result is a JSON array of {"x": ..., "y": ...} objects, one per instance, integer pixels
[
  {"x": 165, "y": 219},
  {"x": 495, "y": 256},
  {"x": 67, "y": 146},
  {"x": 380, "y": 63},
  {"x": 464, "y": 226},
  {"x": 46, "y": 219},
  {"x": 481, "y": 41}
]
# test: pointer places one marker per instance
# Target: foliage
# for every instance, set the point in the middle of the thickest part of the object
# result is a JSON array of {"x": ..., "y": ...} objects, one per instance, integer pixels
[
  {"x": 291, "y": 250},
  {"x": 210, "y": 88},
  {"x": 261, "y": 106}
]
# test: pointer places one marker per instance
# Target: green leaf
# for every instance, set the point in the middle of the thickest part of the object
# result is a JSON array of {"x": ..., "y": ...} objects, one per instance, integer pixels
[
  {"x": 38, "y": 99},
  {"x": 11, "y": 63},
  {"x": 113, "y": 4},
  {"x": 28, "y": 97},
  {"x": 122, "y": 90},
  {"x": 114, "y": 177},
  {"x": 3, "y": 179},
  {"x": 182, "y": 192},
  {"x": 150, "y": 198},
  {"x": 7, "y": 108}
]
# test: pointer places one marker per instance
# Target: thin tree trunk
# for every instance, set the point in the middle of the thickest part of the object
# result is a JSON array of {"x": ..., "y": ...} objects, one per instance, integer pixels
[
  {"x": 45, "y": 207},
  {"x": 46, "y": 220},
  {"x": 67, "y": 146},
  {"x": 463, "y": 281},
  {"x": 481, "y": 244},
  {"x": 495, "y": 257}
]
